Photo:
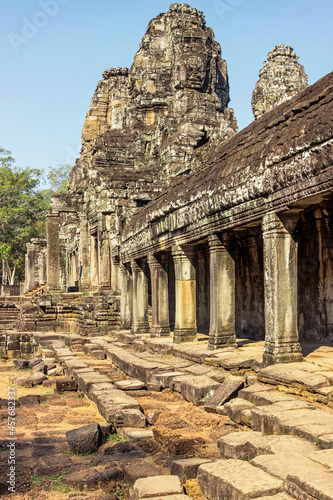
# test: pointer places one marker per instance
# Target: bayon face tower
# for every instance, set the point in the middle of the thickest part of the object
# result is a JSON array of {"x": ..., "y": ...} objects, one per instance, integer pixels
[{"x": 280, "y": 78}]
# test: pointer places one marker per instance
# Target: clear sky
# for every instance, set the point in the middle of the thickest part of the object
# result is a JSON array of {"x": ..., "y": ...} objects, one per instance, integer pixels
[{"x": 52, "y": 54}]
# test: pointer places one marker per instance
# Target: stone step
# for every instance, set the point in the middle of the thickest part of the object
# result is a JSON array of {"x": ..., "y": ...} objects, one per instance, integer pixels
[
  {"x": 281, "y": 465},
  {"x": 236, "y": 480},
  {"x": 168, "y": 487},
  {"x": 248, "y": 445},
  {"x": 309, "y": 484},
  {"x": 314, "y": 425},
  {"x": 299, "y": 375}
]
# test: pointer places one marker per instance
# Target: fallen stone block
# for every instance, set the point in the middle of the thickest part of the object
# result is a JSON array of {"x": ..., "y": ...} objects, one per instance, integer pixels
[
  {"x": 23, "y": 382},
  {"x": 130, "y": 385},
  {"x": 85, "y": 380},
  {"x": 85, "y": 439},
  {"x": 56, "y": 372},
  {"x": 40, "y": 368},
  {"x": 282, "y": 464},
  {"x": 21, "y": 364},
  {"x": 237, "y": 480},
  {"x": 133, "y": 434},
  {"x": 194, "y": 388},
  {"x": 66, "y": 385},
  {"x": 243, "y": 445},
  {"x": 187, "y": 468},
  {"x": 37, "y": 378},
  {"x": 35, "y": 362},
  {"x": 155, "y": 486},
  {"x": 228, "y": 389},
  {"x": 319, "y": 486},
  {"x": 50, "y": 364},
  {"x": 239, "y": 410},
  {"x": 129, "y": 418}
]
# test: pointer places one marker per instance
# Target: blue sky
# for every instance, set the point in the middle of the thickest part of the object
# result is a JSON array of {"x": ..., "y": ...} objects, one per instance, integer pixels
[{"x": 52, "y": 54}]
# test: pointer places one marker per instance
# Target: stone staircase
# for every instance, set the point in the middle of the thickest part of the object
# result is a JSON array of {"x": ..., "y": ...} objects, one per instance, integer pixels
[
  {"x": 35, "y": 292},
  {"x": 8, "y": 316}
]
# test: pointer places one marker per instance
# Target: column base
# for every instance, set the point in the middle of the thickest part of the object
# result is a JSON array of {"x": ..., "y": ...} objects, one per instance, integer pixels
[
  {"x": 282, "y": 353},
  {"x": 160, "y": 331},
  {"x": 140, "y": 329},
  {"x": 217, "y": 341},
  {"x": 182, "y": 335}
]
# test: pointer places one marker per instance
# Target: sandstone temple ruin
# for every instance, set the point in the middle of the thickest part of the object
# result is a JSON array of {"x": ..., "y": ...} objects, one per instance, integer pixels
[{"x": 177, "y": 224}]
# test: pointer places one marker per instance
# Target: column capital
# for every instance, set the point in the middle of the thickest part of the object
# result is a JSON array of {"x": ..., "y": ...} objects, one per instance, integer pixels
[
  {"x": 125, "y": 267},
  {"x": 156, "y": 261},
  {"x": 220, "y": 242},
  {"x": 180, "y": 252},
  {"x": 282, "y": 224}
]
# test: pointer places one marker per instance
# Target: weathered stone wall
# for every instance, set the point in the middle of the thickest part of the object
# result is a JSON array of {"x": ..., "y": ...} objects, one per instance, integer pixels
[
  {"x": 315, "y": 272},
  {"x": 250, "y": 309}
]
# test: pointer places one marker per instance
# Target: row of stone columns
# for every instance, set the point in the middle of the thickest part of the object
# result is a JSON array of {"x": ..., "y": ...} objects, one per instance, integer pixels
[
  {"x": 97, "y": 268},
  {"x": 280, "y": 281}
]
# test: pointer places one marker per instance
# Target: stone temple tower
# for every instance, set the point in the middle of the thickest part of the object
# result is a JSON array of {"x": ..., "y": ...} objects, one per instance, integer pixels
[{"x": 280, "y": 78}]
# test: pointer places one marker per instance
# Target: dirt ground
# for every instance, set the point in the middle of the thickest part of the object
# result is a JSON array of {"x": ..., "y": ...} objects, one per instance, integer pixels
[{"x": 46, "y": 469}]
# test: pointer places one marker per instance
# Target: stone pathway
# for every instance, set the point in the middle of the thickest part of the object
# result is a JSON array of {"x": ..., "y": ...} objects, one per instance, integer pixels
[{"x": 239, "y": 430}]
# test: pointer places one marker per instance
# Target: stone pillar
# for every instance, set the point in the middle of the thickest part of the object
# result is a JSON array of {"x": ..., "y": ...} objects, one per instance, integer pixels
[
  {"x": 53, "y": 251},
  {"x": 105, "y": 271},
  {"x": 30, "y": 269},
  {"x": 185, "y": 280},
  {"x": 280, "y": 270},
  {"x": 115, "y": 275},
  {"x": 84, "y": 255},
  {"x": 160, "y": 295},
  {"x": 26, "y": 273},
  {"x": 222, "y": 293},
  {"x": 42, "y": 267},
  {"x": 126, "y": 301},
  {"x": 63, "y": 265},
  {"x": 94, "y": 266},
  {"x": 140, "y": 297}
]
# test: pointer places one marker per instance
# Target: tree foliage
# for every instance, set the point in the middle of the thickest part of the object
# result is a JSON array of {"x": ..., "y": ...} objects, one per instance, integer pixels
[{"x": 22, "y": 211}]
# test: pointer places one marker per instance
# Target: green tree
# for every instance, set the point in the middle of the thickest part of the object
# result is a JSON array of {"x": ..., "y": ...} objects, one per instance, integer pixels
[
  {"x": 58, "y": 178},
  {"x": 22, "y": 214}
]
